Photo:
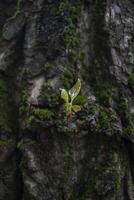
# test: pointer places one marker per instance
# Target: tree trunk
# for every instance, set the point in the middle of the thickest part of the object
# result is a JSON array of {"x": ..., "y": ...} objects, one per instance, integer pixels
[{"x": 46, "y": 45}]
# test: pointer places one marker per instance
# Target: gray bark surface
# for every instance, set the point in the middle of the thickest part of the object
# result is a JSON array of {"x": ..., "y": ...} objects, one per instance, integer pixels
[{"x": 46, "y": 45}]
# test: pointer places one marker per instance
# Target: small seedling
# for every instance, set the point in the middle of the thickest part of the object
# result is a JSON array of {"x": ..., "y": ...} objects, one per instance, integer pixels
[{"x": 69, "y": 97}]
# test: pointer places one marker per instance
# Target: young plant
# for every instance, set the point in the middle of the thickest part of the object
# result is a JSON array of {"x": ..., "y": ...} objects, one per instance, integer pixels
[{"x": 69, "y": 97}]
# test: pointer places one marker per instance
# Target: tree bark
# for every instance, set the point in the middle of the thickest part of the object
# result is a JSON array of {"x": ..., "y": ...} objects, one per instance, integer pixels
[{"x": 46, "y": 45}]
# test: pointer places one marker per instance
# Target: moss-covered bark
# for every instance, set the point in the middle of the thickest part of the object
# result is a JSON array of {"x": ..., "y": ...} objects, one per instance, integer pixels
[{"x": 47, "y": 45}]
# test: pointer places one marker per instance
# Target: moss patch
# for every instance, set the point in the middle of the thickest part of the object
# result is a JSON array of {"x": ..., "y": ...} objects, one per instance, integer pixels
[
  {"x": 107, "y": 122},
  {"x": 131, "y": 80},
  {"x": 46, "y": 66},
  {"x": 48, "y": 95},
  {"x": 23, "y": 108},
  {"x": 103, "y": 122},
  {"x": 43, "y": 113},
  {"x": 104, "y": 92},
  {"x": 70, "y": 41},
  {"x": 40, "y": 114},
  {"x": 7, "y": 142},
  {"x": 105, "y": 177},
  {"x": 125, "y": 117}
]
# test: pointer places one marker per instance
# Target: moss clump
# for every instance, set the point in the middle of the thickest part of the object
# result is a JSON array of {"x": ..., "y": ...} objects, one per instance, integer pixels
[
  {"x": 19, "y": 143},
  {"x": 125, "y": 117},
  {"x": 23, "y": 108},
  {"x": 40, "y": 114},
  {"x": 93, "y": 108},
  {"x": 2, "y": 86},
  {"x": 67, "y": 82},
  {"x": 54, "y": 98},
  {"x": 69, "y": 77},
  {"x": 42, "y": 89},
  {"x": 131, "y": 79},
  {"x": 104, "y": 178},
  {"x": 107, "y": 122},
  {"x": 103, "y": 122},
  {"x": 104, "y": 92},
  {"x": 31, "y": 119},
  {"x": 62, "y": 5},
  {"x": 128, "y": 130},
  {"x": 70, "y": 41},
  {"x": 100, "y": 77},
  {"x": 108, "y": 174},
  {"x": 43, "y": 113},
  {"x": 7, "y": 142},
  {"x": 46, "y": 66},
  {"x": 48, "y": 96}
]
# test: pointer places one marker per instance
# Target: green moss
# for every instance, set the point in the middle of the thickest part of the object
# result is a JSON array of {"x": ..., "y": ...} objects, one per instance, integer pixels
[
  {"x": 24, "y": 69},
  {"x": 67, "y": 83},
  {"x": 62, "y": 5},
  {"x": 7, "y": 142},
  {"x": 104, "y": 92},
  {"x": 68, "y": 78},
  {"x": 19, "y": 143},
  {"x": 2, "y": 86},
  {"x": 23, "y": 108},
  {"x": 70, "y": 39},
  {"x": 31, "y": 119},
  {"x": 93, "y": 108},
  {"x": 46, "y": 66},
  {"x": 40, "y": 114},
  {"x": 48, "y": 95},
  {"x": 103, "y": 120},
  {"x": 42, "y": 89},
  {"x": 105, "y": 175},
  {"x": 70, "y": 72},
  {"x": 43, "y": 113},
  {"x": 113, "y": 114},
  {"x": 125, "y": 117},
  {"x": 54, "y": 98},
  {"x": 106, "y": 121},
  {"x": 131, "y": 79},
  {"x": 128, "y": 130},
  {"x": 100, "y": 77}
]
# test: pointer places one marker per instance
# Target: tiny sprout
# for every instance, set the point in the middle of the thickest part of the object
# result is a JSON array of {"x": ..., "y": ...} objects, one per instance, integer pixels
[{"x": 69, "y": 97}]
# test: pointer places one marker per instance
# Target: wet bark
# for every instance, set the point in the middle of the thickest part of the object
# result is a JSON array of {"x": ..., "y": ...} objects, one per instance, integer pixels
[{"x": 46, "y": 45}]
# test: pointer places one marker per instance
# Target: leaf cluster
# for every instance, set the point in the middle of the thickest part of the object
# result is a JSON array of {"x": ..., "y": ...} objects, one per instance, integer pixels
[{"x": 69, "y": 96}]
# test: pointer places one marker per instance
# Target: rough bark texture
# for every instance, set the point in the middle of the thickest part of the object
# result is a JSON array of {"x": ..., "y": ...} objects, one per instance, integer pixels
[{"x": 46, "y": 45}]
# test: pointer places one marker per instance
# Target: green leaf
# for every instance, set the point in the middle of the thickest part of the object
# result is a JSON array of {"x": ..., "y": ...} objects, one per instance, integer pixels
[
  {"x": 76, "y": 108},
  {"x": 74, "y": 91},
  {"x": 64, "y": 95}
]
